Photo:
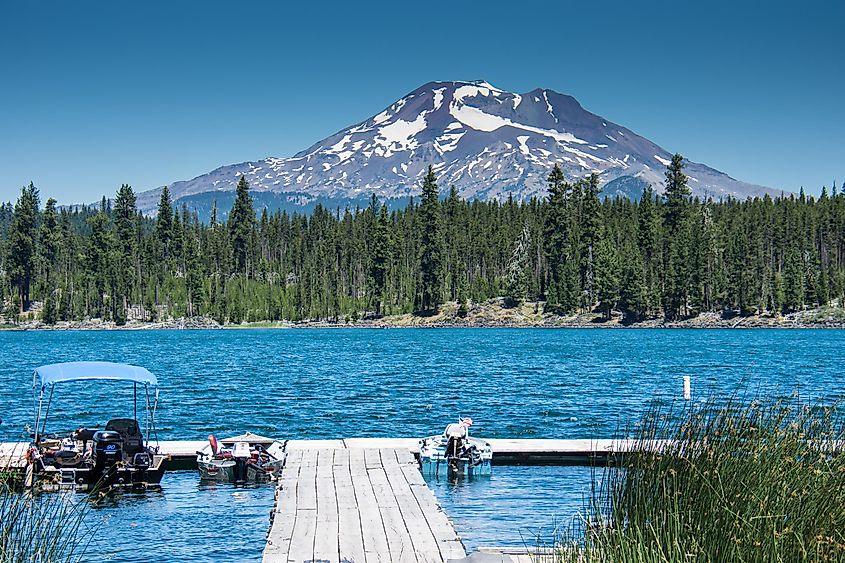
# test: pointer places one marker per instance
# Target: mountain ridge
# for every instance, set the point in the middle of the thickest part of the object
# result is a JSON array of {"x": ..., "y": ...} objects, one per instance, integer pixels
[{"x": 487, "y": 142}]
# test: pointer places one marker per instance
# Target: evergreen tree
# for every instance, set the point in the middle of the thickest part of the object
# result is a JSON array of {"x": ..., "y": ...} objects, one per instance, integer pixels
[
  {"x": 241, "y": 226},
  {"x": 677, "y": 252},
  {"x": 194, "y": 274},
  {"x": 380, "y": 257},
  {"x": 649, "y": 237},
  {"x": 516, "y": 282},
  {"x": 49, "y": 314},
  {"x": 672, "y": 257},
  {"x": 164, "y": 223},
  {"x": 98, "y": 258},
  {"x": 793, "y": 281},
  {"x": 590, "y": 230},
  {"x": 125, "y": 225},
  {"x": 21, "y": 248},
  {"x": 677, "y": 194},
  {"x": 607, "y": 276},
  {"x": 49, "y": 242},
  {"x": 558, "y": 247},
  {"x": 431, "y": 245},
  {"x": 634, "y": 300}
]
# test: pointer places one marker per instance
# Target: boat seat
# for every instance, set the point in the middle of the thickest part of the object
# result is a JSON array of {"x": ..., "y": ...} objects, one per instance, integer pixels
[{"x": 130, "y": 432}]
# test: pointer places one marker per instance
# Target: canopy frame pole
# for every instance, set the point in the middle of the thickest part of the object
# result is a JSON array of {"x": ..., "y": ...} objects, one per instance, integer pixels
[
  {"x": 151, "y": 414},
  {"x": 153, "y": 418},
  {"x": 135, "y": 399},
  {"x": 38, "y": 412},
  {"x": 47, "y": 411},
  {"x": 146, "y": 417}
]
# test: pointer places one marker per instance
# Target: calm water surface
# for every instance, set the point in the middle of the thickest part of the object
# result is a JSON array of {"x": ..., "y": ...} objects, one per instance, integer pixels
[
  {"x": 182, "y": 521},
  {"x": 529, "y": 383}
]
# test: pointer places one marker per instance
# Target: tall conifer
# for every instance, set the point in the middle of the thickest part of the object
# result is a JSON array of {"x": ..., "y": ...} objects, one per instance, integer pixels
[
  {"x": 21, "y": 248},
  {"x": 431, "y": 245},
  {"x": 241, "y": 226}
]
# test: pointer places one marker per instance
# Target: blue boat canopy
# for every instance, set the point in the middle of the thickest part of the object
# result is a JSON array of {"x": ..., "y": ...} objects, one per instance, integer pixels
[{"x": 79, "y": 371}]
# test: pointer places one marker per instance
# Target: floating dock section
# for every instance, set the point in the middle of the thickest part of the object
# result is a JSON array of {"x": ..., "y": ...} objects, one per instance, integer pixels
[{"x": 358, "y": 505}]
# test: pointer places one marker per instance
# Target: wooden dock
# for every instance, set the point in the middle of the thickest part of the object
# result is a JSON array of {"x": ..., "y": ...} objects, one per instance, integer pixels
[
  {"x": 183, "y": 453},
  {"x": 358, "y": 505}
]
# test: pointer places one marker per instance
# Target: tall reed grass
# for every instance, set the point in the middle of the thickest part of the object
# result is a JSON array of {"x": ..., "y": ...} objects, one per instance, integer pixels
[
  {"x": 742, "y": 482},
  {"x": 41, "y": 527}
]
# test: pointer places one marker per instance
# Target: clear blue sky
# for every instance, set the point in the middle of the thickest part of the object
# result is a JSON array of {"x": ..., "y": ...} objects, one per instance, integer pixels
[{"x": 94, "y": 94}]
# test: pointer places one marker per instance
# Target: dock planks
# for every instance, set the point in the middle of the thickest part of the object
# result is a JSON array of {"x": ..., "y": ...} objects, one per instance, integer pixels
[{"x": 360, "y": 505}]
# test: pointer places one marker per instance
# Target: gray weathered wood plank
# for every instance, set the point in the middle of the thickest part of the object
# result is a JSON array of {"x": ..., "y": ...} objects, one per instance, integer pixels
[
  {"x": 304, "y": 530},
  {"x": 398, "y": 538},
  {"x": 327, "y": 533},
  {"x": 357, "y": 506},
  {"x": 351, "y": 535},
  {"x": 423, "y": 540},
  {"x": 373, "y": 532},
  {"x": 283, "y": 517}
]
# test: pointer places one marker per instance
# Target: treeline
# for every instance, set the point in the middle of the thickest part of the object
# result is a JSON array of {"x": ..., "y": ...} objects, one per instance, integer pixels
[{"x": 574, "y": 251}]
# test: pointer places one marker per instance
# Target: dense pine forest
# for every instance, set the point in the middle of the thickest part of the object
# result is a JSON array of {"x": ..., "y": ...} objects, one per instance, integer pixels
[{"x": 669, "y": 256}]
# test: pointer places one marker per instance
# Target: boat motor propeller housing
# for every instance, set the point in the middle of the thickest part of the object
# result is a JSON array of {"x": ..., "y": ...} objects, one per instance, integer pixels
[
  {"x": 241, "y": 455},
  {"x": 108, "y": 452}
]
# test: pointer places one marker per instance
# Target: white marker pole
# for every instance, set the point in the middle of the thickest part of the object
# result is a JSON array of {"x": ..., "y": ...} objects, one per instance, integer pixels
[{"x": 687, "y": 388}]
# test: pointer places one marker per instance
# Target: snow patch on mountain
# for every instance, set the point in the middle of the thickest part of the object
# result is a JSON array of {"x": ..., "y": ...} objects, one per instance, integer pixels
[{"x": 400, "y": 135}]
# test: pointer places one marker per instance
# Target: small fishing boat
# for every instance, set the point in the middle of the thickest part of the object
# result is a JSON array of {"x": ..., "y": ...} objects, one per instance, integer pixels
[
  {"x": 248, "y": 458},
  {"x": 120, "y": 455},
  {"x": 454, "y": 453}
]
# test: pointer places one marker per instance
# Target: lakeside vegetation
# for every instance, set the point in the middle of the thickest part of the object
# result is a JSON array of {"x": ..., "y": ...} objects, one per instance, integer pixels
[
  {"x": 40, "y": 528},
  {"x": 743, "y": 482},
  {"x": 665, "y": 257}
]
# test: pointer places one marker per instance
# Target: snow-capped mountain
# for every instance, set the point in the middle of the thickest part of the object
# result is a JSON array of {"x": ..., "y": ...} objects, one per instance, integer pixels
[{"x": 487, "y": 142}]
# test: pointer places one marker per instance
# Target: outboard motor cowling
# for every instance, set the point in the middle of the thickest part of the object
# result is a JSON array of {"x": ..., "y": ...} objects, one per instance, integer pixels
[
  {"x": 108, "y": 452},
  {"x": 456, "y": 434},
  {"x": 241, "y": 454}
]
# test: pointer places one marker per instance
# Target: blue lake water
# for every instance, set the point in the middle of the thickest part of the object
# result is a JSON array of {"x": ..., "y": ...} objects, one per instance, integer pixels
[
  {"x": 528, "y": 383},
  {"x": 184, "y": 520}
]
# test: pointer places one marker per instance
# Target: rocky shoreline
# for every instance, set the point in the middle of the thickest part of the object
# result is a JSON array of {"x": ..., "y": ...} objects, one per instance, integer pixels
[
  {"x": 99, "y": 324},
  {"x": 490, "y": 314},
  {"x": 493, "y": 314}
]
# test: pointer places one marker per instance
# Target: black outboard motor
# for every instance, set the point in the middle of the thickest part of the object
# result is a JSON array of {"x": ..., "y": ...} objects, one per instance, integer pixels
[
  {"x": 108, "y": 451},
  {"x": 241, "y": 454}
]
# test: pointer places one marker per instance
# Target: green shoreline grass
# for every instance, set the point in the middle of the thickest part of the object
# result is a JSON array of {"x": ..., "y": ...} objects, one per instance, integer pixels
[
  {"x": 42, "y": 527},
  {"x": 737, "y": 483}
]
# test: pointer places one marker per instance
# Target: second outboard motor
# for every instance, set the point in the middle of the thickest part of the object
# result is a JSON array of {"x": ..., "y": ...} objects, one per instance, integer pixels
[
  {"x": 456, "y": 434},
  {"x": 242, "y": 455},
  {"x": 108, "y": 451}
]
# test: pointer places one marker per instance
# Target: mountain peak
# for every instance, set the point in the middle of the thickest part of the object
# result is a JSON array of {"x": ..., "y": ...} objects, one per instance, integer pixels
[{"x": 487, "y": 142}]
